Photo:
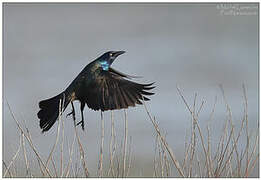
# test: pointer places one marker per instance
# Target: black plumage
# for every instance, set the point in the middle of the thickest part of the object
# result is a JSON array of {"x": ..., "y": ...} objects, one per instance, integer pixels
[{"x": 100, "y": 87}]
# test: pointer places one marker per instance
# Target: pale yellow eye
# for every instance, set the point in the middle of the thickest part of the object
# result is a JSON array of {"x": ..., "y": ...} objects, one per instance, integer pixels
[{"x": 111, "y": 54}]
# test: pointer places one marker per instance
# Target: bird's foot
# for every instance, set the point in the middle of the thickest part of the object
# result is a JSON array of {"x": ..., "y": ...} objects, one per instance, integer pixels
[
  {"x": 82, "y": 124},
  {"x": 73, "y": 115}
]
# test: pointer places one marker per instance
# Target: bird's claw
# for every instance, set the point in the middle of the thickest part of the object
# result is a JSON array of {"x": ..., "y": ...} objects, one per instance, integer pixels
[
  {"x": 73, "y": 115},
  {"x": 69, "y": 114},
  {"x": 82, "y": 124}
]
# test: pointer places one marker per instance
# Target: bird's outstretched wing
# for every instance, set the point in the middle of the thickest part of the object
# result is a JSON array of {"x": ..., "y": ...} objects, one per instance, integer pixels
[{"x": 111, "y": 91}]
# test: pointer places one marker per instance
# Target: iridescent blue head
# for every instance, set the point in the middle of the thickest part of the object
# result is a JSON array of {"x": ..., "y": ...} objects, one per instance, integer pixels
[{"x": 107, "y": 58}]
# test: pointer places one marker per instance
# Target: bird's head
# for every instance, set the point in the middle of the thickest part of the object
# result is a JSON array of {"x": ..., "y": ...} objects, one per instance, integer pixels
[{"x": 107, "y": 58}]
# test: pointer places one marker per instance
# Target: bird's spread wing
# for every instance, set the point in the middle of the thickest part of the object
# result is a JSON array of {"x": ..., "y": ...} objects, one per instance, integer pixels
[{"x": 111, "y": 91}]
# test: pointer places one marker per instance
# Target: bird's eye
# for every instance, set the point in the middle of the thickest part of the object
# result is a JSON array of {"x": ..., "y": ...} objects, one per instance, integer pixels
[{"x": 111, "y": 54}]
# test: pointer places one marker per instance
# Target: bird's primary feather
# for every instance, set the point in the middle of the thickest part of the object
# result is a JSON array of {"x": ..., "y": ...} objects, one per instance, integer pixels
[{"x": 111, "y": 91}]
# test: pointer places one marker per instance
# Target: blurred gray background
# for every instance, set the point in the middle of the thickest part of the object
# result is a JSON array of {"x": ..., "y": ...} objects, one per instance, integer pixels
[{"x": 194, "y": 46}]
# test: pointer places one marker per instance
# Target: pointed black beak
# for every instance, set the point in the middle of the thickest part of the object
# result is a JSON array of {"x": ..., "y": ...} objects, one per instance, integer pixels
[{"x": 117, "y": 53}]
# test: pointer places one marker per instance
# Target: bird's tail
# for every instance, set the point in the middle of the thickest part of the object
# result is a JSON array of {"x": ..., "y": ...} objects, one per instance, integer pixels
[{"x": 49, "y": 110}]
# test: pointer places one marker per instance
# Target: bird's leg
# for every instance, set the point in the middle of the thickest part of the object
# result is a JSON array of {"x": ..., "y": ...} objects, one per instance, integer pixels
[
  {"x": 72, "y": 113},
  {"x": 82, "y": 121}
]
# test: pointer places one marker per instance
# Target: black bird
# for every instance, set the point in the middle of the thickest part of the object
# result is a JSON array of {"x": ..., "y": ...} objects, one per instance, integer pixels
[{"x": 100, "y": 87}]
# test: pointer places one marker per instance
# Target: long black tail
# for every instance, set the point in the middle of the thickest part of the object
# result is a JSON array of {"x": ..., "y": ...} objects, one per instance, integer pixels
[{"x": 49, "y": 110}]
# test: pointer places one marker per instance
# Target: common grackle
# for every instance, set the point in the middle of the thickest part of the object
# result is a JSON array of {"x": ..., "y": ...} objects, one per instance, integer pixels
[{"x": 100, "y": 87}]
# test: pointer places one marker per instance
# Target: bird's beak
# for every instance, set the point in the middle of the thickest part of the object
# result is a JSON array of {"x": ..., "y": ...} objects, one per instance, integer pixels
[{"x": 117, "y": 53}]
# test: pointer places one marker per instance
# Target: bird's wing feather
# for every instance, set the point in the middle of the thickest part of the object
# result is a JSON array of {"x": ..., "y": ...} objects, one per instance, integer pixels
[
  {"x": 111, "y": 70},
  {"x": 111, "y": 91}
]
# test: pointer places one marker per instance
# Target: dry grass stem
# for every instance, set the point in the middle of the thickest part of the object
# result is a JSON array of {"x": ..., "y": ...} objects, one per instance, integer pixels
[
  {"x": 84, "y": 165},
  {"x": 125, "y": 142},
  {"x": 10, "y": 174},
  {"x": 54, "y": 166},
  {"x": 30, "y": 142},
  {"x": 100, "y": 166},
  {"x": 112, "y": 147},
  {"x": 235, "y": 153},
  {"x": 62, "y": 144},
  {"x": 129, "y": 158},
  {"x": 57, "y": 134},
  {"x": 67, "y": 171},
  {"x": 173, "y": 157},
  {"x": 15, "y": 155},
  {"x": 28, "y": 173}
]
